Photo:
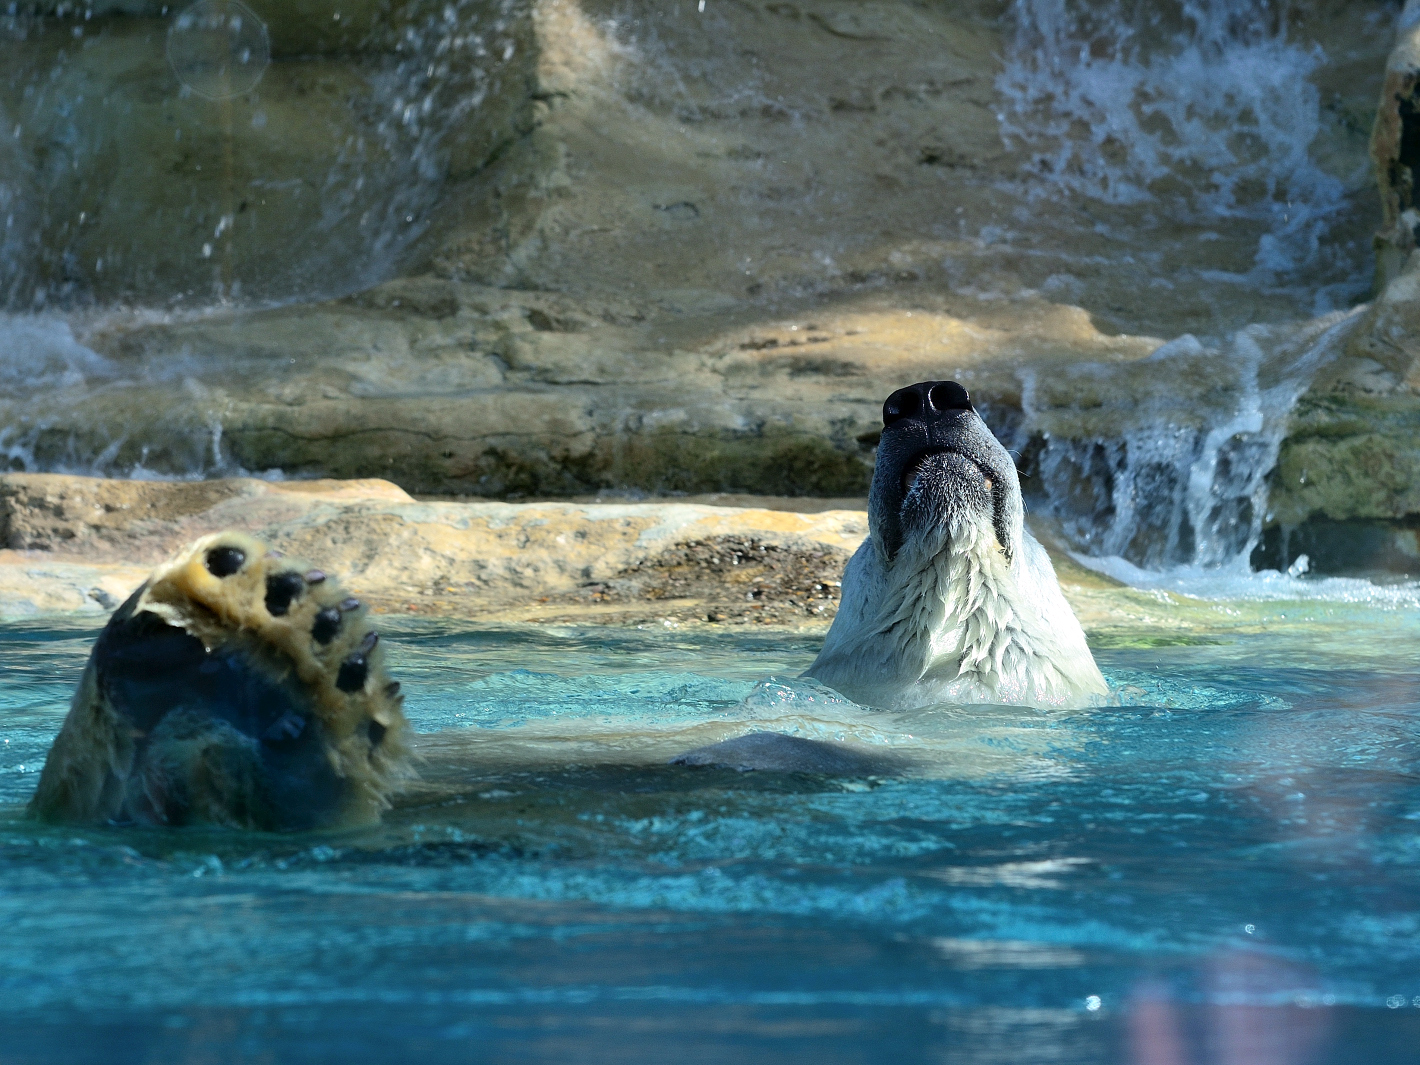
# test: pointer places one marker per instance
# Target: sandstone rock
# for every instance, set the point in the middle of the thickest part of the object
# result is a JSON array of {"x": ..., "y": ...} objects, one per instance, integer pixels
[
  {"x": 664, "y": 250},
  {"x": 748, "y": 154},
  {"x": 75, "y": 545},
  {"x": 1346, "y": 489},
  {"x": 71, "y": 543},
  {"x": 448, "y": 387}
]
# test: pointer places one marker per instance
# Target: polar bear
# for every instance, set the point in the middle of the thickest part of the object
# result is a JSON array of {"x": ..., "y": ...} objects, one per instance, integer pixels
[
  {"x": 950, "y": 599},
  {"x": 235, "y": 687}
]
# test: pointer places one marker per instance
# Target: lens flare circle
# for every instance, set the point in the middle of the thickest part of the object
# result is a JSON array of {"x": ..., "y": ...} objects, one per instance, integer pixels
[{"x": 219, "y": 48}]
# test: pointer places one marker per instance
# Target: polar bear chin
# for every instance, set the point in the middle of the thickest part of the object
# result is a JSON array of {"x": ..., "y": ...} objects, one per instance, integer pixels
[{"x": 960, "y": 625}]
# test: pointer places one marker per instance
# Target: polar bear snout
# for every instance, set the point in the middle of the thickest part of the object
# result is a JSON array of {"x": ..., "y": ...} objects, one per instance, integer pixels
[{"x": 938, "y": 465}]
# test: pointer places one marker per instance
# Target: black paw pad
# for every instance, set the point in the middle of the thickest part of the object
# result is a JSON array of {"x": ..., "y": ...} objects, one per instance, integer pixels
[
  {"x": 326, "y": 626},
  {"x": 350, "y": 604},
  {"x": 281, "y": 589},
  {"x": 224, "y": 561},
  {"x": 315, "y": 576},
  {"x": 376, "y": 731},
  {"x": 353, "y": 672},
  {"x": 392, "y": 688},
  {"x": 356, "y": 668}
]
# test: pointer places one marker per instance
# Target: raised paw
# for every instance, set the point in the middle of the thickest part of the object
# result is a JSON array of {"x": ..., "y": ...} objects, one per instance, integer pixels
[{"x": 236, "y": 686}]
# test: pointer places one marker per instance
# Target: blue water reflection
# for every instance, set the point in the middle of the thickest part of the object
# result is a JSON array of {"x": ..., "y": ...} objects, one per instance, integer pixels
[{"x": 1224, "y": 869}]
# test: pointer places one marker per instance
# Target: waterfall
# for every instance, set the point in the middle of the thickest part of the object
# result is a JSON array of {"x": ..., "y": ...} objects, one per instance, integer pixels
[
  {"x": 1164, "y": 462},
  {"x": 1199, "y": 110},
  {"x": 1191, "y": 113}
]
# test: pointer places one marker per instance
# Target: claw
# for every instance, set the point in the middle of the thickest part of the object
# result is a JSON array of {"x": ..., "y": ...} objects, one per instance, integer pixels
[{"x": 326, "y": 626}]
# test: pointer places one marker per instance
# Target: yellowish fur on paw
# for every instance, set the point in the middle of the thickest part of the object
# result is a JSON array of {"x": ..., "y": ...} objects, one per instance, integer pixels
[
  {"x": 198, "y": 701},
  {"x": 232, "y": 586}
]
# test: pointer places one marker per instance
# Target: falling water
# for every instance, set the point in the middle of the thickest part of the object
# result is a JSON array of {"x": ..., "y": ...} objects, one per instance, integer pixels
[
  {"x": 383, "y": 138},
  {"x": 1200, "y": 110},
  {"x": 1176, "y": 473}
]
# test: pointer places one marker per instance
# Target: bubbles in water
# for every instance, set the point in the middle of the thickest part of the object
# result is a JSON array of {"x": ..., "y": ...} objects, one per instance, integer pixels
[{"x": 219, "y": 48}]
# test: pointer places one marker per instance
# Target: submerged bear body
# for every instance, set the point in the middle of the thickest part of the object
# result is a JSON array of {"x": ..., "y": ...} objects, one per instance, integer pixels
[
  {"x": 234, "y": 688},
  {"x": 950, "y": 599}
]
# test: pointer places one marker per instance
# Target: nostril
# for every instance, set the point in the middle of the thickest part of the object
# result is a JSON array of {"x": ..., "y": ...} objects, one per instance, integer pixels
[
  {"x": 903, "y": 403},
  {"x": 948, "y": 395}
]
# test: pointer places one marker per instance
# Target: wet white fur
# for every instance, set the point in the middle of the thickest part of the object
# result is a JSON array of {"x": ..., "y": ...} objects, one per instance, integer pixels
[{"x": 951, "y": 619}]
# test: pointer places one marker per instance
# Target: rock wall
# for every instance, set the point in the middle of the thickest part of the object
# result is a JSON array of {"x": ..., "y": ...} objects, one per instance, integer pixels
[
  {"x": 637, "y": 247},
  {"x": 80, "y": 546},
  {"x": 125, "y": 186},
  {"x": 1344, "y": 491}
]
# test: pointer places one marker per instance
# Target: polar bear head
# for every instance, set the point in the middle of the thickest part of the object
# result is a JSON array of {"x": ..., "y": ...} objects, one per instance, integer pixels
[{"x": 950, "y": 599}]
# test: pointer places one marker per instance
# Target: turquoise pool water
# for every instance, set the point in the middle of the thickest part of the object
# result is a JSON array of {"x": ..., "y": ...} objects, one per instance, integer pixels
[{"x": 1223, "y": 868}]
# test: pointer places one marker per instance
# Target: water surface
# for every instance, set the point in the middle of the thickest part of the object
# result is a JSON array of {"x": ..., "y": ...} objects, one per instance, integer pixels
[{"x": 1223, "y": 868}]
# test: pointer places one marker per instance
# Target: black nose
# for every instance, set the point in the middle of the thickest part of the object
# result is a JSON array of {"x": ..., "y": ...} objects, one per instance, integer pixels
[{"x": 925, "y": 398}]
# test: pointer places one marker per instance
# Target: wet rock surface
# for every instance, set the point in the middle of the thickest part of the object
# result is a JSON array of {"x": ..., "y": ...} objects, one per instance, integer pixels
[
  {"x": 682, "y": 251},
  {"x": 1344, "y": 490},
  {"x": 79, "y": 546}
]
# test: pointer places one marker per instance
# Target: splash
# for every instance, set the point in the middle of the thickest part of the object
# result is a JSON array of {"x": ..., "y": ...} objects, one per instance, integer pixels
[
  {"x": 40, "y": 353},
  {"x": 1267, "y": 586},
  {"x": 1176, "y": 474},
  {"x": 351, "y": 214},
  {"x": 1201, "y": 108},
  {"x": 41, "y": 358}
]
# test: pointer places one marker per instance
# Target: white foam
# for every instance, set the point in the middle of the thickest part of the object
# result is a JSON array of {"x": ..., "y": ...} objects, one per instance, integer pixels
[
  {"x": 41, "y": 356},
  {"x": 1238, "y": 584},
  {"x": 39, "y": 352}
]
